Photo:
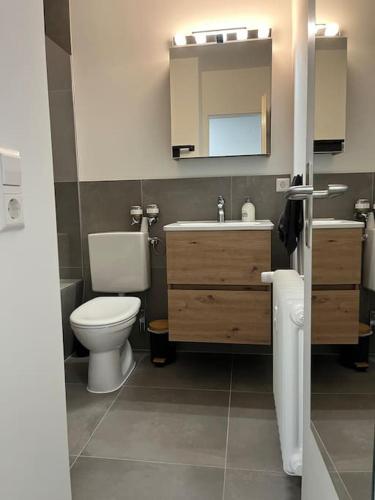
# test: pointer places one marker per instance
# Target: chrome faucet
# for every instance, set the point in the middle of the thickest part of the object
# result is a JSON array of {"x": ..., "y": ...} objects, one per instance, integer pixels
[{"x": 220, "y": 209}]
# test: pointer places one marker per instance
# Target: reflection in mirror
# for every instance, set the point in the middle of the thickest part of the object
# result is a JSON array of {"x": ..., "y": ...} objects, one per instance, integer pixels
[
  {"x": 330, "y": 94},
  {"x": 343, "y": 371},
  {"x": 220, "y": 99},
  {"x": 343, "y": 252}
]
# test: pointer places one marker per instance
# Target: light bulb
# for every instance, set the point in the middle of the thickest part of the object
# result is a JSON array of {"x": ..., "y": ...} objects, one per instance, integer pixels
[
  {"x": 263, "y": 31},
  {"x": 180, "y": 39},
  {"x": 200, "y": 38},
  {"x": 319, "y": 27},
  {"x": 331, "y": 29},
  {"x": 241, "y": 35}
]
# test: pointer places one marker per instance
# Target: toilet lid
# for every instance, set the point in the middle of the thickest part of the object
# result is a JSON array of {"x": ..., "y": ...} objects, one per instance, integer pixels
[{"x": 106, "y": 311}]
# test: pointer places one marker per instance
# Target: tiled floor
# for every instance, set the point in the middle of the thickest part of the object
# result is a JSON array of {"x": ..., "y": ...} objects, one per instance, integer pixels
[
  {"x": 202, "y": 428},
  {"x": 343, "y": 412}
]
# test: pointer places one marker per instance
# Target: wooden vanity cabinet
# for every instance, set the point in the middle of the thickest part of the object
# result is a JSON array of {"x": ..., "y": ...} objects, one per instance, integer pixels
[
  {"x": 335, "y": 316},
  {"x": 336, "y": 275},
  {"x": 336, "y": 256},
  {"x": 225, "y": 316},
  {"x": 218, "y": 257},
  {"x": 215, "y": 293}
]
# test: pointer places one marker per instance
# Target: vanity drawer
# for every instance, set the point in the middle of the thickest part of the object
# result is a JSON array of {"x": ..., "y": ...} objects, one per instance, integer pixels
[
  {"x": 218, "y": 257},
  {"x": 225, "y": 316},
  {"x": 335, "y": 316},
  {"x": 336, "y": 256}
]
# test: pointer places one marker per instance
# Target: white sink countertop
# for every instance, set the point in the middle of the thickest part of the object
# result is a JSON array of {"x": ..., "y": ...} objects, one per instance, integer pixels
[
  {"x": 229, "y": 225},
  {"x": 336, "y": 224}
]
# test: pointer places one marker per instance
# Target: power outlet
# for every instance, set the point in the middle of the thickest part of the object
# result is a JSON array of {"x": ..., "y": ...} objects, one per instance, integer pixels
[
  {"x": 11, "y": 203},
  {"x": 282, "y": 184}
]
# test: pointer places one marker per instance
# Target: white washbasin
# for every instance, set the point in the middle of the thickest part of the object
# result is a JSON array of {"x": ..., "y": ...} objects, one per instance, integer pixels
[
  {"x": 211, "y": 225},
  {"x": 329, "y": 223}
]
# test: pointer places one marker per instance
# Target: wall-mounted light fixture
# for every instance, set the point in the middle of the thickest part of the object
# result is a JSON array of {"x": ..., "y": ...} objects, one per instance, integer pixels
[
  {"x": 327, "y": 29},
  {"x": 226, "y": 35}
]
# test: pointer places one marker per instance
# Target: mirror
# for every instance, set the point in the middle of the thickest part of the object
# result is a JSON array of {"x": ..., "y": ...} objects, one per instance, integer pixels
[
  {"x": 343, "y": 295},
  {"x": 330, "y": 94},
  {"x": 220, "y": 99}
]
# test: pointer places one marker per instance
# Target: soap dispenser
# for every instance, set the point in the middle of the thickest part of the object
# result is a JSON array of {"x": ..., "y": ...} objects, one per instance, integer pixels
[{"x": 248, "y": 211}]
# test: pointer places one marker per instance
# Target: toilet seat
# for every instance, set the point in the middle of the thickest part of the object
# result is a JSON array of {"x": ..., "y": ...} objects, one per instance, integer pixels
[{"x": 105, "y": 312}]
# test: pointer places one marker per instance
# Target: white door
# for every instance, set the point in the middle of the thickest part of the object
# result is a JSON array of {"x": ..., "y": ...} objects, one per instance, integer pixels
[
  {"x": 316, "y": 481},
  {"x": 33, "y": 436}
]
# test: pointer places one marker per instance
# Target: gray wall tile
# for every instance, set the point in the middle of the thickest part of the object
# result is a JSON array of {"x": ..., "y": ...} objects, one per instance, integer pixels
[
  {"x": 57, "y": 23},
  {"x": 105, "y": 206},
  {"x": 157, "y": 297},
  {"x": 360, "y": 186},
  {"x": 63, "y": 135},
  {"x": 184, "y": 199},
  {"x": 71, "y": 298},
  {"x": 68, "y": 229},
  {"x": 58, "y": 67},
  {"x": 268, "y": 205}
]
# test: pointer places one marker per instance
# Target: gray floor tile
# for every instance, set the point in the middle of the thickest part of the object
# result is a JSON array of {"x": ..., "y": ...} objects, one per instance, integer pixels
[
  {"x": 358, "y": 484},
  {"x": 253, "y": 435},
  {"x": 98, "y": 479},
  {"x": 335, "y": 407},
  {"x": 247, "y": 485},
  {"x": 328, "y": 376},
  {"x": 340, "y": 487},
  {"x": 252, "y": 373},
  {"x": 179, "y": 426},
  {"x": 76, "y": 369},
  {"x": 84, "y": 412},
  {"x": 191, "y": 370},
  {"x": 345, "y": 424},
  {"x": 348, "y": 442}
]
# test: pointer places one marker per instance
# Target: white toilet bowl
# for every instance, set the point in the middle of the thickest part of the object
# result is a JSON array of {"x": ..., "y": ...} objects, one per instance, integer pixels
[{"x": 103, "y": 326}]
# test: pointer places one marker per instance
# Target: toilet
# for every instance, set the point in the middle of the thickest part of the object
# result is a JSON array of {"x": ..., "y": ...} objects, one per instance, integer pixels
[{"x": 120, "y": 263}]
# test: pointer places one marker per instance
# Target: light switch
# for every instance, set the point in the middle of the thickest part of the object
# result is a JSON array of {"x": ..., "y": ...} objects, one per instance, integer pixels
[
  {"x": 282, "y": 184},
  {"x": 10, "y": 165}
]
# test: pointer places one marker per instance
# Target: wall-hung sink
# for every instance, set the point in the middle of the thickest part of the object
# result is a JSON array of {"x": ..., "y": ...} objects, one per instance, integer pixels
[
  {"x": 229, "y": 225},
  {"x": 330, "y": 223}
]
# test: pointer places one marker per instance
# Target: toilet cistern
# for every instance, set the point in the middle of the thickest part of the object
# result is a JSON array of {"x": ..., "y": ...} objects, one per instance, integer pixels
[
  {"x": 119, "y": 264},
  {"x": 220, "y": 209}
]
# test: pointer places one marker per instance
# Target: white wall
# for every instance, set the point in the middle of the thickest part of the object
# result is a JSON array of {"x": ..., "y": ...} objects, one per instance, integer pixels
[
  {"x": 33, "y": 438},
  {"x": 120, "y": 64},
  {"x": 121, "y": 85}
]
